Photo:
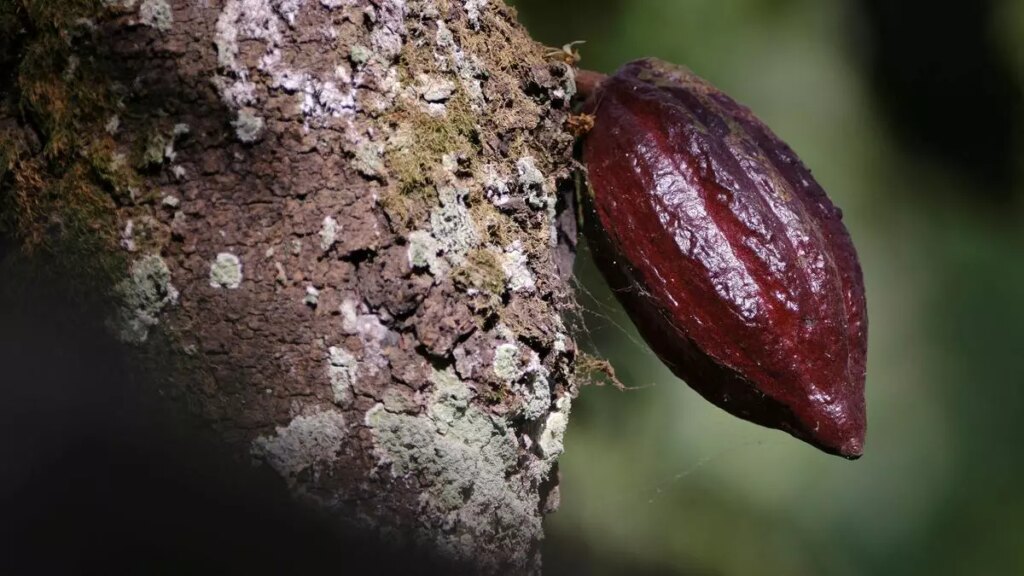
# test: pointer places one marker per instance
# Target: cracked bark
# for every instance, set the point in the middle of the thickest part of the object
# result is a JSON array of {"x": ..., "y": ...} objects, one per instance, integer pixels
[{"x": 338, "y": 223}]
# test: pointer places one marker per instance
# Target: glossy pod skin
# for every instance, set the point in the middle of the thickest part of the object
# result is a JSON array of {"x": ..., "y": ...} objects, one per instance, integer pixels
[{"x": 728, "y": 256}]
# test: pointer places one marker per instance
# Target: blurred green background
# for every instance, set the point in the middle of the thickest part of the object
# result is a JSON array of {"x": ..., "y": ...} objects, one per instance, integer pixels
[{"x": 909, "y": 113}]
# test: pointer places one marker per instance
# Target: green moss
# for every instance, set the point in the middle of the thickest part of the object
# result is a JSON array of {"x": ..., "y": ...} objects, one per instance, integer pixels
[
  {"x": 428, "y": 138},
  {"x": 66, "y": 226},
  {"x": 61, "y": 90},
  {"x": 482, "y": 271},
  {"x": 415, "y": 154},
  {"x": 57, "y": 203},
  {"x": 110, "y": 168},
  {"x": 150, "y": 150},
  {"x": 407, "y": 207}
]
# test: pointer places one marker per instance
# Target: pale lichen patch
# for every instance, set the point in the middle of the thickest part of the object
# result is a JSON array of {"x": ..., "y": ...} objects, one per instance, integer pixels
[
  {"x": 265, "y": 21},
  {"x": 517, "y": 270},
  {"x": 534, "y": 389},
  {"x": 368, "y": 159},
  {"x": 359, "y": 54},
  {"x": 128, "y": 236},
  {"x": 342, "y": 371},
  {"x": 312, "y": 298},
  {"x": 226, "y": 271},
  {"x": 529, "y": 174},
  {"x": 434, "y": 89},
  {"x": 143, "y": 295},
  {"x": 373, "y": 334},
  {"x": 248, "y": 125},
  {"x": 529, "y": 383},
  {"x": 307, "y": 442},
  {"x": 328, "y": 233},
  {"x": 496, "y": 185},
  {"x": 157, "y": 14},
  {"x": 473, "y": 8},
  {"x": 423, "y": 253},
  {"x": 452, "y": 225},
  {"x": 551, "y": 442},
  {"x": 244, "y": 20},
  {"x": 113, "y": 125},
  {"x": 506, "y": 363},
  {"x": 468, "y": 458}
]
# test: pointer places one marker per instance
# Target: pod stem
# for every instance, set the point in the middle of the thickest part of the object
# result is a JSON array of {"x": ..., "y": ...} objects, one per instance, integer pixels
[{"x": 587, "y": 82}]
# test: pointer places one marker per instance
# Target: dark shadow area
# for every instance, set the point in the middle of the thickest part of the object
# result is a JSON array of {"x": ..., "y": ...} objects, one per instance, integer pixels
[
  {"x": 99, "y": 474},
  {"x": 946, "y": 86},
  {"x": 98, "y": 478}
]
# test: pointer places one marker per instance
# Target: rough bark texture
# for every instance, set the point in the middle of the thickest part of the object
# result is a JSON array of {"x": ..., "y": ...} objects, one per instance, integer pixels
[{"x": 337, "y": 219}]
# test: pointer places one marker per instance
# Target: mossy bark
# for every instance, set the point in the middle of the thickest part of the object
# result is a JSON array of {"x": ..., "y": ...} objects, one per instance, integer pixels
[{"x": 333, "y": 222}]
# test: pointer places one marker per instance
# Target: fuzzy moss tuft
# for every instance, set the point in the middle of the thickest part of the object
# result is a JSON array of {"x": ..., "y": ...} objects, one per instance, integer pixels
[
  {"x": 482, "y": 271},
  {"x": 55, "y": 199}
]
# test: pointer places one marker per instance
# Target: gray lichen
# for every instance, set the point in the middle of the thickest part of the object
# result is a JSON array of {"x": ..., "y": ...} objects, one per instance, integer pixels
[
  {"x": 128, "y": 236},
  {"x": 312, "y": 298},
  {"x": 473, "y": 8},
  {"x": 368, "y": 159},
  {"x": 452, "y": 225},
  {"x": 157, "y": 14},
  {"x": 342, "y": 369},
  {"x": 535, "y": 391},
  {"x": 529, "y": 383},
  {"x": 506, "y": 362},
  {"x": 143, "y": 295},
  {"x": 517, "y": 270},
  {"x": 468, "y": 458},
  {"x": 248, "y": 126},
  {"x": 359, "y": 54},
  {"x": 423, "y": 253},
  {"x": 307, "y": 442},
  {"x": 374, "y": 335},
  {"x": 552, "y": 437},
  {"x": 434, "y": 89},
  {"x": 328, "y": 233},
  {"x": 226, "y": 271}
]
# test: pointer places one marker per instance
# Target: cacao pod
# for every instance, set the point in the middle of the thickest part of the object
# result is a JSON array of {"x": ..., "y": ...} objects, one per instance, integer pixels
[{"x": 728, "y": 256}]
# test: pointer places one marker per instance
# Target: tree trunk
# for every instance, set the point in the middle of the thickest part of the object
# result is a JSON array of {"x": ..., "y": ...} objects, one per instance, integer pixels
[{"x": 329, "y": 227}]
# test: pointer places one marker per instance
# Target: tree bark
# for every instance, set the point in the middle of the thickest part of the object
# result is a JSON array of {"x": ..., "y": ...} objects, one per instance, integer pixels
[{"x": 329, "y": 228}]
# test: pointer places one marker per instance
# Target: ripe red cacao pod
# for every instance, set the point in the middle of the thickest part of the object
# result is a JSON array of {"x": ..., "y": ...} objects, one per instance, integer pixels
[{"x": 730, "y": 259}]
